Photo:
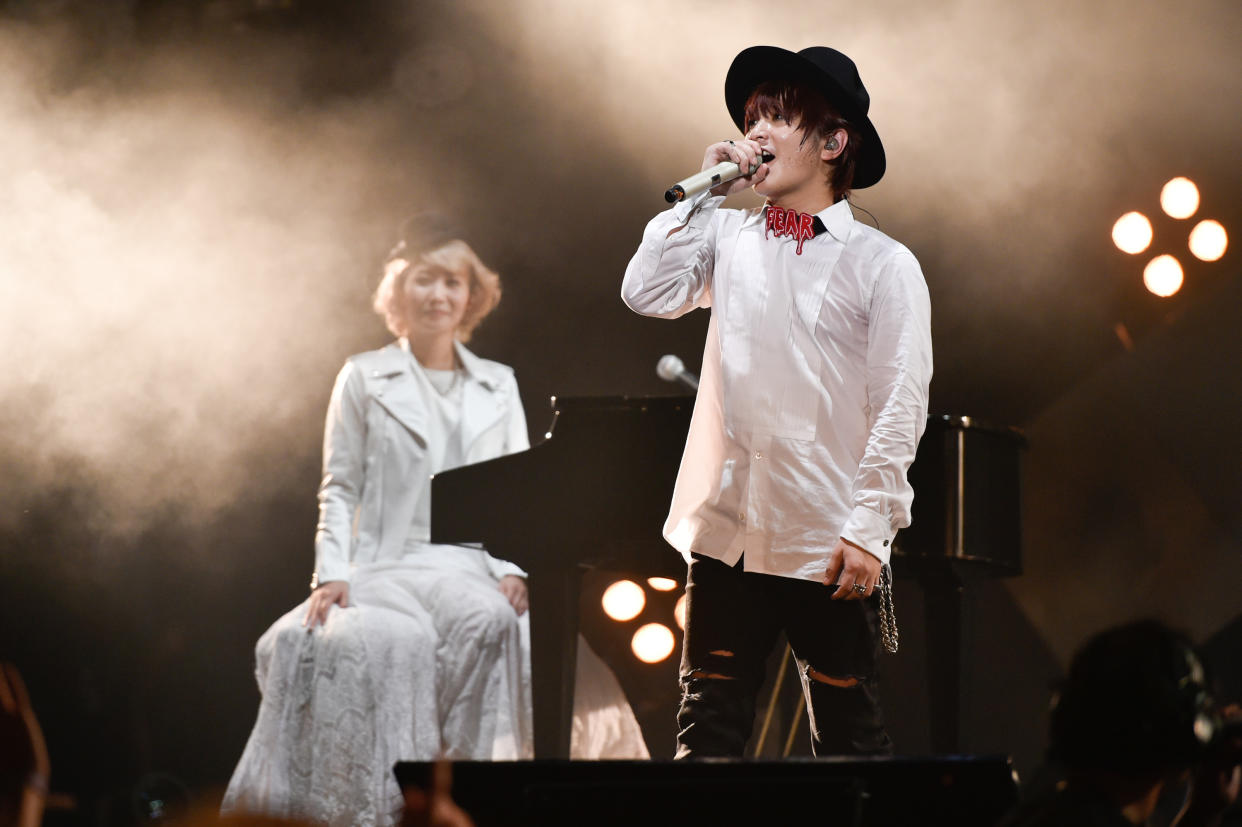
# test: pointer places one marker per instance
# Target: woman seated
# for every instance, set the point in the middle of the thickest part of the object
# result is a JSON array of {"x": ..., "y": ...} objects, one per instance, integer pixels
[{"x": 406, "y": 650}]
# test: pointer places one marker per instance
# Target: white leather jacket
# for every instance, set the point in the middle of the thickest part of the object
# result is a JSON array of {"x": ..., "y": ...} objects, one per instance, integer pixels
[{"x": 375, "y": 467}]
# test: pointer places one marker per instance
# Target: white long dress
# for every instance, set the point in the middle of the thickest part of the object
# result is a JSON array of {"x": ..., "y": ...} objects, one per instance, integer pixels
[{"x": 428, "y": 661}]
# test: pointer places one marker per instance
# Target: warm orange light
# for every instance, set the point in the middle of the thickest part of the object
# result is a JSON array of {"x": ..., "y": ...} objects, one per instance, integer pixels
[
  {"x": 1163, "y": 276},
  {"x": 662, "y": 584},
  {"x": 679, "y": 613},
  {"x": 1208, "y": 240},
  {"x": 1132, "y": 233},
  {"x": 1179, "y": 198},
  {"x": 653, "y": 643},
  {"x": 623, "y": 600}
]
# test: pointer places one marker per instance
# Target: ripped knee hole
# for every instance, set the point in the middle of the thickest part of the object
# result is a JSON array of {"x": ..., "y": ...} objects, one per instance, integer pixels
[
  {"x": 715, "y": 676},
  {"x": 843, "y": 683},
  {"x": 703, "y": 673}
]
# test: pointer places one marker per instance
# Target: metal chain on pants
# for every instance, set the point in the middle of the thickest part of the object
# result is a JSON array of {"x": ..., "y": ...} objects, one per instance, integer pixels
[{"x": 888, "y": 618}]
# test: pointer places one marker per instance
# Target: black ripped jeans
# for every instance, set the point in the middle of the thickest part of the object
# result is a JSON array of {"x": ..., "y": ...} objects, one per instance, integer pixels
[{"x": 733, "y": 618}]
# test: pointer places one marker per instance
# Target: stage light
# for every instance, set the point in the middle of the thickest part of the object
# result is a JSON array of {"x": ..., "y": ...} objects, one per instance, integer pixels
[
  {"x": 1163, "y": 276},
  {"x": 1132, "y": 233},
  {"x": 623, "y": 600},
  {"x": 653, "y": 643},
  {"x": 662, "y": 584},
  {"x": 679, "y": 613},
  {"x": 1208, "y": 240},
  {"x": 1179, "y": 198}
]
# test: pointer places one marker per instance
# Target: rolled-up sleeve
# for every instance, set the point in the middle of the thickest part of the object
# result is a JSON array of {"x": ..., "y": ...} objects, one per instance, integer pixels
[
  {"x": 344, "y": 439},
  {"x": 670, "y": 274},
  {"x": 899, "y": 370}
]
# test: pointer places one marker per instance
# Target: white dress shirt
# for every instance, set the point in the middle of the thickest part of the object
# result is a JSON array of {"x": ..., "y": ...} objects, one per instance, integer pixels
[{"x": 813, "y": 394}]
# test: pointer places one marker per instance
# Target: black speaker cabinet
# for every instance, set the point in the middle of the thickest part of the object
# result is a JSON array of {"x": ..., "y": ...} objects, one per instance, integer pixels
[
  {"x": 967, "y": 497},
  {"x": 901, "y": 792}
]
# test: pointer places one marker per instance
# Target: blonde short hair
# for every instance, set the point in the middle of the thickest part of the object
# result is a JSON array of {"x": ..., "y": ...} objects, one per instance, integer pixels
[{"x": 454, "y": 256}]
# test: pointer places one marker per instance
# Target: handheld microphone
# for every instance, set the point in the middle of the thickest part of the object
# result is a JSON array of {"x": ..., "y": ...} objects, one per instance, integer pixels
[
  {"x": 671, "y": 369},
  {"x": 708, "y": 178}
]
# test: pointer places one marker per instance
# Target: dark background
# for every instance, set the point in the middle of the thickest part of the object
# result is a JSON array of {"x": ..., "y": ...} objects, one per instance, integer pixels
[{"x": 195, "y": 196}]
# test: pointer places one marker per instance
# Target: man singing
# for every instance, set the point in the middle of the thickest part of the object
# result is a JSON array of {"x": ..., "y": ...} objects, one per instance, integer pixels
[{"x": 812, "y": 400}]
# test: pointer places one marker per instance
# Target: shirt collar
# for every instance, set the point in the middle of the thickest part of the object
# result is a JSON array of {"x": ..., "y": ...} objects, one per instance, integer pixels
[{"x": 837, "y": 219}]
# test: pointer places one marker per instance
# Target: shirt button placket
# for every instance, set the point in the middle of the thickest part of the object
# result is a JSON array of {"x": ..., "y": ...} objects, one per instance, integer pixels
[{"x": 758, "y": 487}]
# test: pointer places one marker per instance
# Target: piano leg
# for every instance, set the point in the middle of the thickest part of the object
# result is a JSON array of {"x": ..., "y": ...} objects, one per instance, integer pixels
[{"x": 554, "y": 599}]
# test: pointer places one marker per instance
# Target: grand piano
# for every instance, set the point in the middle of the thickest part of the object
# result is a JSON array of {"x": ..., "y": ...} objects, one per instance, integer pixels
[
  {"x": 596, "y": 490},
  {"x": 593, "y": 493}
]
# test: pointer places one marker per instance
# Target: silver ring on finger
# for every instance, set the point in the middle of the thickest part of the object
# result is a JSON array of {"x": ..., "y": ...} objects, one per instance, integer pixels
[{"x": 861, "y": 588}]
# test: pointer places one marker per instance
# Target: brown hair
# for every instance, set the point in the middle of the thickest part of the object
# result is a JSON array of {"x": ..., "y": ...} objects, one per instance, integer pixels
[
  {"x": 454, "y": 256},
  {"x": 805, "y": 107}
]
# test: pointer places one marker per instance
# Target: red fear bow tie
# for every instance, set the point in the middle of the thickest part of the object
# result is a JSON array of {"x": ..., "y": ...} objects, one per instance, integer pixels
[{"x": 799, "y": 226}]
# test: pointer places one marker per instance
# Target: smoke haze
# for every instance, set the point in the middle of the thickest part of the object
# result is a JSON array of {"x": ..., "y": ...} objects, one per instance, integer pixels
[
  {"x": 180, "y": 262},
  {"x": 1015, "y": 138}
]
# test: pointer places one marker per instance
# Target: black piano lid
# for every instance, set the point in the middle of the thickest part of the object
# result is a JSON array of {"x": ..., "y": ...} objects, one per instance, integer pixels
[{"x": 975, "y": 424}]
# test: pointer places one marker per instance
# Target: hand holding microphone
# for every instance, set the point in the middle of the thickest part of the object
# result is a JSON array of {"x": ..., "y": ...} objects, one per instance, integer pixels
[{"x": 728, "y": 166}]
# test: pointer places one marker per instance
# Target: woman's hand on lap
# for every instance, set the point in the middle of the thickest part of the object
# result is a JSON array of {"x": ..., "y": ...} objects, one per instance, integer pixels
[
  {"x": 323, "y": 598},
  {"x": 514, "y": 590}
]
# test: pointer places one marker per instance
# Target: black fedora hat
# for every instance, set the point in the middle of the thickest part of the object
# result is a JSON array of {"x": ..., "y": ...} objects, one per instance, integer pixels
[{"x": 825, "y": 69}]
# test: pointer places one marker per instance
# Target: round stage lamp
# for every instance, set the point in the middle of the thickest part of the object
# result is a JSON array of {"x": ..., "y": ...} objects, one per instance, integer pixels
[
  {"x": 662, "y": 584},
  {"x": 653, "y": 643},
  {"x": 1208, "y": 240},
  {"x": 623, "y": 600},
  {"x": 1179, "y": 198},
  {"x": 1163, "y": 276},
  {"x": 1132, "y": 233},
  {"x": 679, "y": 613}
]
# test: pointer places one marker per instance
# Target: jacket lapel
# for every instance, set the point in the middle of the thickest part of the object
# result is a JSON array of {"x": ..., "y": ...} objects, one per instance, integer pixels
[
  {"x": 480, "y": 407},
  {"x": 397, "y": 391}
]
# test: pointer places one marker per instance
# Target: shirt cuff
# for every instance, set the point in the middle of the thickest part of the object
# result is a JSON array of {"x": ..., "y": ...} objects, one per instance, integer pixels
[
  {"x": 503, "y": 568},
  {"x": 870, "y": 532},
  {"x": 327, "y": 572},
  {"x": 701, "y": 203}
]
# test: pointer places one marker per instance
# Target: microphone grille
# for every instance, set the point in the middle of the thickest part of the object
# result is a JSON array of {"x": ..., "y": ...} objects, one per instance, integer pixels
[{"x": 669, "y": 368}]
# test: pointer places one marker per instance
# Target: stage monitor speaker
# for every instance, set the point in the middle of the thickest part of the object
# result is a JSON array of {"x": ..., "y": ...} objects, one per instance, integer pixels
[{"x": 901, "y": 792}]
